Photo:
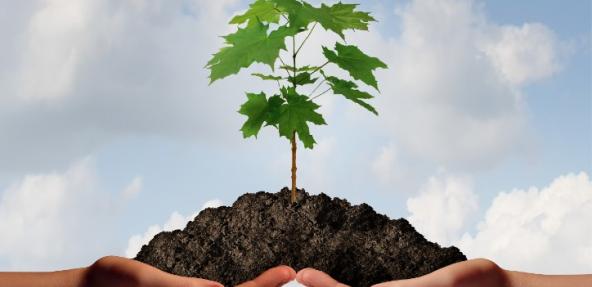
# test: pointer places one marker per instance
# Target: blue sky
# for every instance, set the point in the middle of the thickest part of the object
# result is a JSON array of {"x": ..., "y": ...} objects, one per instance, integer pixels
[{"x": 107, "y": 119}]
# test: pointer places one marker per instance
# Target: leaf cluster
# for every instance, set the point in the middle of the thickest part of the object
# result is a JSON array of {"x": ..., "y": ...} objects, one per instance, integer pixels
[{"x": 261, "y": 36}]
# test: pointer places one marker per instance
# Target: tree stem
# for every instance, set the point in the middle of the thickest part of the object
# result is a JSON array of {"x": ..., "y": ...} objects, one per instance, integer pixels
[
  {"x": 327, "y": 90},
  {"x": 316, "y": 88},
  {"x": 319, "y": 68},
  {"x": 293, "y": 141},
  {"x": 293, "y": 197},
  {"x": 307, "y": 36},
  {"x": 284, "y": 64}
]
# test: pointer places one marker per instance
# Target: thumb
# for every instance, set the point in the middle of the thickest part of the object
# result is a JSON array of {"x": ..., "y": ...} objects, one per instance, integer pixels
[
  {"x": 314, "y": 278},
  {"x": 167, "y": 280}
]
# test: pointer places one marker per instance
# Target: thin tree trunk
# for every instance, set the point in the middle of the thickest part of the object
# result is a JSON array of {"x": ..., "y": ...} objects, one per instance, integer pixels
[
  {"x": 294, "y": 167},
  {"x": 294, "y": 132}
]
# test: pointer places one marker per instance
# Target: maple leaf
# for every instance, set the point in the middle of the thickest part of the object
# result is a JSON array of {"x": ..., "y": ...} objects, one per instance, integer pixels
[
  {"x": 359, "y": 65},
  {"x": 303, "y": 79},
  {"x": 267, "y": 77},
  {"x": 247, "y": 46},
  {"x": 289, "y": 6},
  {"x": 337, "y": 17},
  {"x": 340, "y": 17},
  {"x": 259, "y": 110},
  {"x": 261, "y": 10},
  {"x": 349, "y": 90},
  {"x": 295, "y": 115},
  {"x": 306, "y": 68}
]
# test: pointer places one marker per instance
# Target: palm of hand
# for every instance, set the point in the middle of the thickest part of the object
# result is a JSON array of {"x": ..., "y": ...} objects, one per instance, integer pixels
[
  {"x": 122, "y": 272},
  {"x": 471, "y": 273}
]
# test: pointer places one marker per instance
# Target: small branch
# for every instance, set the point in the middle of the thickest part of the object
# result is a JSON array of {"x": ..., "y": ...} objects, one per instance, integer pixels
[
  {"x": 327, "y": 90},
  {"x": 294, "y": 60},
  {"x": 279, "y": 85},
  {"x": 284, "y": 65},
  {"x": 307, "y": 36},
  {"x": 317, "y": 87},
  {"x": 317, "y": 69}
]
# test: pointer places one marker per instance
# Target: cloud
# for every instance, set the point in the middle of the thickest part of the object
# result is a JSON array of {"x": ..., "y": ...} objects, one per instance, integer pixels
[
  {"x": 134, "y": 188},
  {"x": 443, "y": 208},
  {"x": 55, "y": 220},
  {"x": 524, "y": 54},
  {"x": 385, "y": 166},
  {"x": 542, "y": 230},
  {"x": 83, "y": 74},
  {"x": 175, "y": 221},
  {"x": 453, "y": 92}
]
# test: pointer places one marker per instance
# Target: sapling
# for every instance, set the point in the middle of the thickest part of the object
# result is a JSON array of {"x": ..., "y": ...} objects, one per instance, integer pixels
[{"x": 262, "y": 33}]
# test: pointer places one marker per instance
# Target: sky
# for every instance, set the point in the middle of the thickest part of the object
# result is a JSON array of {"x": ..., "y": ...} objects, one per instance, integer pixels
[{"x": 110, "y": 133}]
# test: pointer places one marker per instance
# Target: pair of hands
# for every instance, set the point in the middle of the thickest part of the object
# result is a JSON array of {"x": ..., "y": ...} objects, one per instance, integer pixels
[{"x": 122, "y": 272}]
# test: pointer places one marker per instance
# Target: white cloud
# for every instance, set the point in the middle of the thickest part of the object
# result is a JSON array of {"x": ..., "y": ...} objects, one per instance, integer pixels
[
  {"x": 443, "y": 208},
  {"x": 384, "y": 166},
  {"x": 541, "y": 230},
  {"x": 452, "y": 93},
  {"x": 175, "y": 221},
  {"x": 55, "y": 220},
  {"x": 134, "y": 188},
  {"x": 524, "y": 54},
  {"x": 210, "y": 204},
  {"x": 545, "y": 230},
  {"x": 55, "y": 41},
  {"x": 74, "y": 85}
]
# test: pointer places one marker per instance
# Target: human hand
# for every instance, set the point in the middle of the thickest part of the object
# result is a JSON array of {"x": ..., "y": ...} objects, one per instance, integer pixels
[
  {"x": 115, "y": 271},
  {"x": 471, "y": 273},
  {"x": 112, "y": 271}
]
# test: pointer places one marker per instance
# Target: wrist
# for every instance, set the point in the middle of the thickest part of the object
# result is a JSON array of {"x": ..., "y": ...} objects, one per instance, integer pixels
[{"x": 65, "y": 278}]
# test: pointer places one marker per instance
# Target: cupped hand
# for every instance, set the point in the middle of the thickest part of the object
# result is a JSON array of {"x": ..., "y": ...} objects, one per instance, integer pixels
[
  {"x": 471, "y": 273},
  {"x": 115, "y": 271}
]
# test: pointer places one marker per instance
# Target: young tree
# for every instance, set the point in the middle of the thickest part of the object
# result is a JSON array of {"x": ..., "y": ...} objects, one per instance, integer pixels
[{"x": 262, "y": 33}]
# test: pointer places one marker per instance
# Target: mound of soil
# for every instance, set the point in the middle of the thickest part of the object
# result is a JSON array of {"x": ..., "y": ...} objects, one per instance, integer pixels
[{"x": 353, "y": 244}]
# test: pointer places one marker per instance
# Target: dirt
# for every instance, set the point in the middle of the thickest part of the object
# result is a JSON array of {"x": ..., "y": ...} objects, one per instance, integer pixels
[{"x": 261, "y": 230}]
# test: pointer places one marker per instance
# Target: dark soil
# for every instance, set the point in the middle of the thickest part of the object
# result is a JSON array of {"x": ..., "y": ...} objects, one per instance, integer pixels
[{"x": 353, "y": 244}]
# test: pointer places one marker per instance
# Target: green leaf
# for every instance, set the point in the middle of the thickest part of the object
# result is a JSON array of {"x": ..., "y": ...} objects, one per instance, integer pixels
[
  {"x": 267, "y": 77},
  {"x": 259, "y": 110},
  {"x": 359, "y": 65},
  {"x": 274, "y": 110},
  {"x": 336, "y": 18},
  {"x": 290, "y": 6},
  {"x": 295, "y": 116},
  {"x": 247, "y": 46},
  {"x": 303, "y": 79},
  {"x": 306, "y": 68},
  {"x": 349, "y": 90},
  {"x": 340, "y": 17},
  {"x": 262, "y": 10}
]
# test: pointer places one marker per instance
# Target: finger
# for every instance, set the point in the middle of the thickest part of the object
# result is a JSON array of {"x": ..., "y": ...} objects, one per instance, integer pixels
[
  {"x": 314, "y": 278},
  {"x": 174, "y": 280},
  {"x": 440, "y": 278},
  {"x": 431, "y": 280},
  {"x": 475, "y": 272},
  {"x": 273, "y": 277},
  {"x": 152, "y": 277},
  {"x": 118, "y": 271}
]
